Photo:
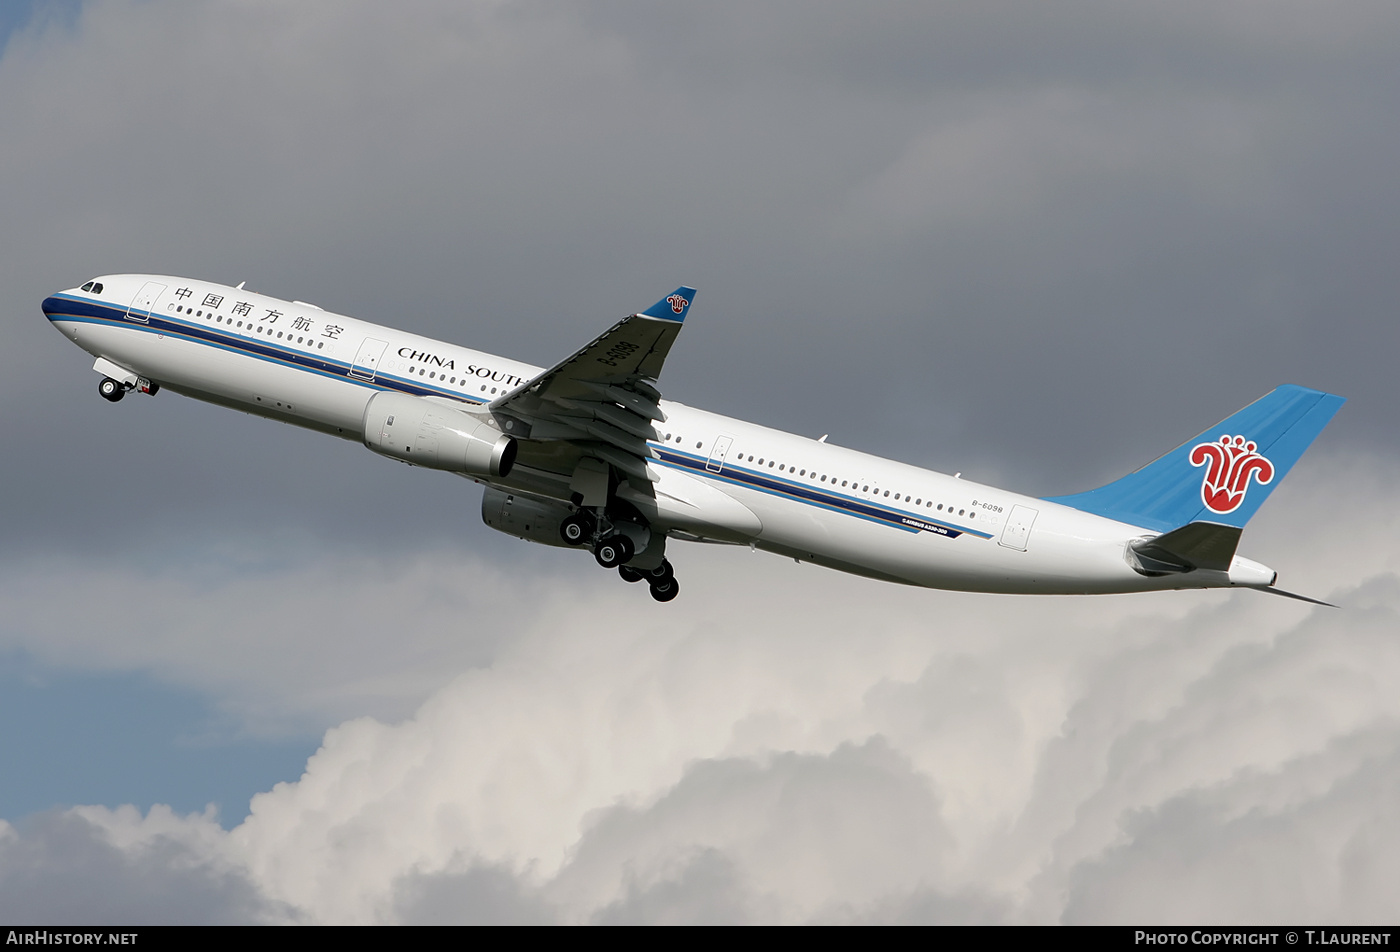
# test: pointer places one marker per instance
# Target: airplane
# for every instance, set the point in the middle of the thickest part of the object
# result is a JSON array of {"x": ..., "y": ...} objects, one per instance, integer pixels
[{"x": 587, "y": 454}]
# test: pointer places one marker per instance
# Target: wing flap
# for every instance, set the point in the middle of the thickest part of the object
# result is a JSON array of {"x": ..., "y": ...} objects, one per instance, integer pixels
[{"x": 603, "y": 397}]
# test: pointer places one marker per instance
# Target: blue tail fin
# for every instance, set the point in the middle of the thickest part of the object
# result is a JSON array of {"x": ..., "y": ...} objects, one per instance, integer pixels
[{"x": 1225, "y": 474}]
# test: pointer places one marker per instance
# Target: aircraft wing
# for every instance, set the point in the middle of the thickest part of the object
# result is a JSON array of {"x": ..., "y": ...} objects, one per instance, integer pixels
[{"x": 604, "y": 398}]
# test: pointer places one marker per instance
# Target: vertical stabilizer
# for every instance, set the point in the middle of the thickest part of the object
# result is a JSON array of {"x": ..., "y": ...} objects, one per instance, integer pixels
[{"x": 1223, "y": 475}]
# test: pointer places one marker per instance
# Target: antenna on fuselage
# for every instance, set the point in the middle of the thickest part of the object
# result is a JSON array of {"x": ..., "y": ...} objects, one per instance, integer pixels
[{"x": 240, "y": 285}]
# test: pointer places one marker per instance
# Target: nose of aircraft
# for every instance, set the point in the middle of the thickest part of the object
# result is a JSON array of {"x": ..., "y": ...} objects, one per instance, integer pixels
[{"x": 52, "y": 305}]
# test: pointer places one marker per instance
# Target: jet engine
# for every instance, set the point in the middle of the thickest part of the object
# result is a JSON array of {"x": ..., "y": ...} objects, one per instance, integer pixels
[
  {"x": 523, "y": 516},
  {"x": 426, "y": 433}
]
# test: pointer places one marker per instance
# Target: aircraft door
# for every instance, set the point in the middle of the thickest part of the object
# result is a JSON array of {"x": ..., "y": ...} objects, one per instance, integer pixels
[
  {"x": 366, "y": 363},
  {"x": 716, "y": 461},
  {"x": 145, "y": 302},
  {"x": 1018, "y": 527}
]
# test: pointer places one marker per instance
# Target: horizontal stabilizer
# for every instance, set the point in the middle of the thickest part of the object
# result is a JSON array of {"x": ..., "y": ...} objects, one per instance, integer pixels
[
  {"x": 1223, "y": 475},
  {"x": 1197, "y": 545}
]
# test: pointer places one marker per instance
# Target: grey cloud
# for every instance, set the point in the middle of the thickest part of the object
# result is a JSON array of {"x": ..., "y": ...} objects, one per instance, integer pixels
[
  {"x": 59, "y": 868},
  {"x": 933, "y": 211},
  {"x": 286, "y": 637},
  {"x": 707, "y": 890},
  {"x": 479, "y": 896},
  {"x": 766, "y": 840},
  {"x": 1326, "y": 857}
]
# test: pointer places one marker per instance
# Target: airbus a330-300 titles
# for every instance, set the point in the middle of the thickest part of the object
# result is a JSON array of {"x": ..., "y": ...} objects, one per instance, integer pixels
[{"x": 587, "y": 453}]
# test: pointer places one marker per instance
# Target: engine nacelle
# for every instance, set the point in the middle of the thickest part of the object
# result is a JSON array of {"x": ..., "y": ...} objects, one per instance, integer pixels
[
  {"x": 424, "y": 433},
  {"x": 524, "y": 517}
]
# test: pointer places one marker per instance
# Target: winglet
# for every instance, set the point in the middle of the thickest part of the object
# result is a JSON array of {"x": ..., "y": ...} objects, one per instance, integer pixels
[{"x": 673, "y": 307}]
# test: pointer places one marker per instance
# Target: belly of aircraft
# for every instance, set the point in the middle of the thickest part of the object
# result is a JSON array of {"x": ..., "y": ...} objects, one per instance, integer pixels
[{"x": 304, "y": 396}]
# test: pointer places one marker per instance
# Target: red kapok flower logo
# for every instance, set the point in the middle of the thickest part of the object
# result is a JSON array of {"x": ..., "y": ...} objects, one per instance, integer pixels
[{"x": 1229, "y": 462}]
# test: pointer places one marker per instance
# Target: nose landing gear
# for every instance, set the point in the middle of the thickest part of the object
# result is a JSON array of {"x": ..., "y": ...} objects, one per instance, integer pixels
[
  {"x": 110, "y": 389},
  {"x": 113, "y": 390}
]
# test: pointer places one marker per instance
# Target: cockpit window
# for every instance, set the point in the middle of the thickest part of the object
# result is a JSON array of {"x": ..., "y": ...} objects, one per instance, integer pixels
[
  {"x": 88, "y": 286},
  {"x": 94, "y": 286}
]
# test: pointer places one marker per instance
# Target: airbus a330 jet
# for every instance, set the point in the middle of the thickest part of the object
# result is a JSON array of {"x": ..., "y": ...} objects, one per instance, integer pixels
[{"x": 588, "y": 454}]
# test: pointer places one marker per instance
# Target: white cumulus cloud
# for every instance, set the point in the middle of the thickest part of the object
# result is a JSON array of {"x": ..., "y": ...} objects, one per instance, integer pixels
[{"x": 786, "y": 744}]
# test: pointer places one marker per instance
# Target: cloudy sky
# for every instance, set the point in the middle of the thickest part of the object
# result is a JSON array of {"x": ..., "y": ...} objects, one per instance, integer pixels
[{"x": 1035, "y": 243}]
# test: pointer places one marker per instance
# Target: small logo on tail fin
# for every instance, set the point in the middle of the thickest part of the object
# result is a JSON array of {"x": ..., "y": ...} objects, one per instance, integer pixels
[
  {"x": 677, "y": 303},
  {"x": 1232, "y": 461}
]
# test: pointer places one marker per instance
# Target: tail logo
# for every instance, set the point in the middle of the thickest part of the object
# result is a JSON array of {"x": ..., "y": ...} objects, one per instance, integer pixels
[
  {"x": 677, "y": 303},
  {"x": 1230, "y": 462}
]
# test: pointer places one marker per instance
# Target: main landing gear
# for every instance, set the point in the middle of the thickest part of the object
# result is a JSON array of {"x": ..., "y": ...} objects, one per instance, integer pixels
[
  {"x": 578, "y": 528},
  {"x": 614, "y": 549},
  {"x": 661, "y": 580}
]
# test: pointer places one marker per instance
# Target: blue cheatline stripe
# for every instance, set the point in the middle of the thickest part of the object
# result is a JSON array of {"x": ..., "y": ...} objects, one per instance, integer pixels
[
  {"x": 833, "y": 502},
  {"x": 90, "y": 312}
]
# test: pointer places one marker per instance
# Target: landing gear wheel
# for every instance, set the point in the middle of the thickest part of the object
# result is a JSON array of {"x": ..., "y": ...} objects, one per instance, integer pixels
[
  {"x": 111, "y": 389},
  {"x": 665, "y": 591},
  {"x": 662, "y": 573},
  {"x": 613, "y": 551},
  {"x": 630, "y": 574},
  {"x": 577, "y": 529}
]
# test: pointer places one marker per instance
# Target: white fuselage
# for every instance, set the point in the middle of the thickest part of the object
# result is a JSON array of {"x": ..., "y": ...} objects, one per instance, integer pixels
[{"x": 719, "y": 478}]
